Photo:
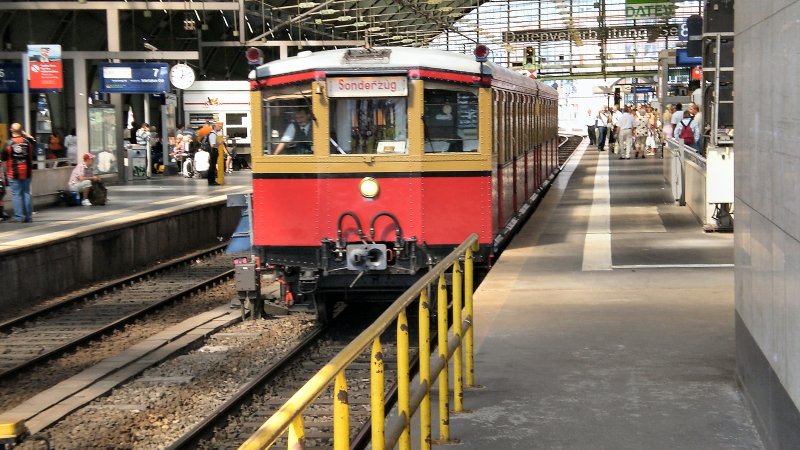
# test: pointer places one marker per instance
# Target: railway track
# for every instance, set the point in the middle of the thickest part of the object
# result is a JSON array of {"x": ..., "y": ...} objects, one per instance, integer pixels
[
  {"x": 232, "y": 423},
  {"x": 567, "y": 145},
  {"x": 47, "y": 333}
]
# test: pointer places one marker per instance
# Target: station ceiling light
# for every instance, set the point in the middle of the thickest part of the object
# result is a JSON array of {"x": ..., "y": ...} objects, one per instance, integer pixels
[{"x": 306, "y": 5}]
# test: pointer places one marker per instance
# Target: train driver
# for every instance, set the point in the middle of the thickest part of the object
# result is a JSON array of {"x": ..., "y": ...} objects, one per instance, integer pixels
[{"x": 296, "y": 140}]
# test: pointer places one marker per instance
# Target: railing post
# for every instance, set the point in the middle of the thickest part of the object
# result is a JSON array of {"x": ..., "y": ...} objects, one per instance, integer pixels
[
  {"x": 403, "y": 388},
  {"x": 341, "y": 414},
  {"x": 468, "y": 288},
  {"x": 444, "y": 376},
  {"x": 425, "y": 370},
  {"x": 458, "y": 377},
  {"x": 297, "y": 435},
  {"x": 376, "y": 391}
]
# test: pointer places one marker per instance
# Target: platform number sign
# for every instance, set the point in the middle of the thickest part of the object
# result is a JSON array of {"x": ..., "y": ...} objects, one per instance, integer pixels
[{"x": 683, "y": 32}]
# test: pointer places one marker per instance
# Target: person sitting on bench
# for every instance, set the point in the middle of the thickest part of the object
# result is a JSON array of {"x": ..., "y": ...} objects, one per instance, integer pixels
[{"x": 82, "y": 177}]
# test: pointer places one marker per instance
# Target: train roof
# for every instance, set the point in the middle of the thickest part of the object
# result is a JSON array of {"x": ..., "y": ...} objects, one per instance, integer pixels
[{"x": 390, "y": 59}]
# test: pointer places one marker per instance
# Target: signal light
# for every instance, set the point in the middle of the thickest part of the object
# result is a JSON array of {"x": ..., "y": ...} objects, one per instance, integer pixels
[
  {"x": 254, "y": 56},
  {"x": 481, "y": 53},
  {"x": 530, "y": 55}
]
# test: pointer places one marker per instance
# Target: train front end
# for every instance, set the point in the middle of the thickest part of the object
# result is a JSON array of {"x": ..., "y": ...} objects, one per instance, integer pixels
[{"x": 371, "y": 169}]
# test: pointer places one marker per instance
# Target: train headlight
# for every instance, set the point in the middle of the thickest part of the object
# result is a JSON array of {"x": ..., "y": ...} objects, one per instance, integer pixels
[{"x": 369, "y": 187}]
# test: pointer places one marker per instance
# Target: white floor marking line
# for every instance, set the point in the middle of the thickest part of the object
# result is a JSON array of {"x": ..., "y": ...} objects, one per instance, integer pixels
[
  {"x": 673, "y": 266},
  {"x": 597, "y": 244}
]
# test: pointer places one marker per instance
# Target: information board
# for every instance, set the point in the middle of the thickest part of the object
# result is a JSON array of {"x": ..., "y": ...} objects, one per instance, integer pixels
[
  {"x": 10, "y": 78},
  {"x": 467, "y": 110},
  {"x": 134, "y": 78}
]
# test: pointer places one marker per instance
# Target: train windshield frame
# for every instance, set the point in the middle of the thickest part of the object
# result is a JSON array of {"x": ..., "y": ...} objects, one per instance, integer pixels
[
  {"x": 450, "y": 118},
  {"x": 368, "y": 125},
  {"x": 288, "y": 127}
]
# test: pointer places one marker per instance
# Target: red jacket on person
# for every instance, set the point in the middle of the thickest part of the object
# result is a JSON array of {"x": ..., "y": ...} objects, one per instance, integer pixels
[{"x": 18, "y": 154}]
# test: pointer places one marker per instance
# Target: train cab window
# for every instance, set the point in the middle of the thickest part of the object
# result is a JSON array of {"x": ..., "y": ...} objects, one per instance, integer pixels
[
  {"x": 369, "y": 125},
  {"x": 451, "y": 121},
  {"x": 287, "y": 126}
]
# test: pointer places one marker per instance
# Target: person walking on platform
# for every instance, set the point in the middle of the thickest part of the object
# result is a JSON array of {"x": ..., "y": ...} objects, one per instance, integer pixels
[
  {"x": 642, "y": 127},
  {"x": 626, "y": 124},
  {"x": 589, "y": 119},
  {"x": 616, "y": 113},
  {"x": 601, "y": 122},
  {"x": 677, "y": 115},
  {"x": 18, "y": 157}
]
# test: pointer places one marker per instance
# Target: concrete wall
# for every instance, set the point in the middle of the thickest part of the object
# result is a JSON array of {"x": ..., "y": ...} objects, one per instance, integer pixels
[
  {"x": 45, "y": 185},
  {"x": 767, "y": 241},
  {"x": 55, "y": 267}
]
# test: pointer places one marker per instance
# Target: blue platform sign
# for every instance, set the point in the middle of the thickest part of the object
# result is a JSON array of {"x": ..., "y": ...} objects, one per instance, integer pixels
[
  {"x": 10, "y": 78},
  {"x": 683, "y": 32},
  {"x": 643, "y": 89},
  {"x": 134, "y": 78},
  {"x": 682, "y": 59}
]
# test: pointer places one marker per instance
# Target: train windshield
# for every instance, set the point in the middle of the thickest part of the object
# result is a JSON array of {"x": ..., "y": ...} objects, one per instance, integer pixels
[
  {"x": 451, "y": 120},
  {"x": 287, "y": 126},
  {"x": 368, "y": 125}
]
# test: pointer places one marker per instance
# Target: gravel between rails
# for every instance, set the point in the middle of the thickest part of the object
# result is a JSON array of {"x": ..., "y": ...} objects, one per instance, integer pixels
[
  {"x": 27, "y": 384},
  {"x": 167, "y": 400}
]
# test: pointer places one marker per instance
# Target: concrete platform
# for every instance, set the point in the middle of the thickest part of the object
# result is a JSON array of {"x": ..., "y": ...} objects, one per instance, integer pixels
[
  {"x": 607, "y": 324},
  {"x": 144, "y": 221}
]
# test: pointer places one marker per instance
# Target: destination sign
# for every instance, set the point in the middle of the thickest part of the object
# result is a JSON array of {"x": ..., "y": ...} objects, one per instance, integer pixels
[
  {"x": 134, "y": 78},
  {"x": 585, "y": 34},
  {"x": 367, "y": 87}
]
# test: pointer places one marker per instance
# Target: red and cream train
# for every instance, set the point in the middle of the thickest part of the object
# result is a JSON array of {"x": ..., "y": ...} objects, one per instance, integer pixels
[{"x": 374, "y": 163}]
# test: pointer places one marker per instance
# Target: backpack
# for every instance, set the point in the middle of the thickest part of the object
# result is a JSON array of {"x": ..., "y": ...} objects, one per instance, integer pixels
[
  {"x": 205, "y": 144},
  {"x": 686, "y": 133},
  {"x": 98, "y": 194},
  {"x": 70, "y": 198}
]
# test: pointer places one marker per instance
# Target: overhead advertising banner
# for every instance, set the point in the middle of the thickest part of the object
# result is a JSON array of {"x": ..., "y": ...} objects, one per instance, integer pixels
[
  {"x": 648, "y": 9},
  {"x": 11, "y": 75},
  {"x": 44, "y": 67},
  {"x": 644, "y": 32},
  {"x": 134, "y": 78}
]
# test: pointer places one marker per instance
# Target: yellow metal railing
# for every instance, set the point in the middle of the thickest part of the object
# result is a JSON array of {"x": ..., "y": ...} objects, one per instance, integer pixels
[{"x": 387, "y": 433}]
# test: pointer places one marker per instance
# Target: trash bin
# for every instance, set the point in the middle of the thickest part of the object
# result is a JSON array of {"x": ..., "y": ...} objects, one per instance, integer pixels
[{"x": 137, "y": 163}]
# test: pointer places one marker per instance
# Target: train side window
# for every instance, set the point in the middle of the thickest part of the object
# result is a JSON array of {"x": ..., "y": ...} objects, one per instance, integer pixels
[
  {"x": 451, "y": 121},
  {"x": 287, "y": 126},
  {"x": 369, "y": 125}
]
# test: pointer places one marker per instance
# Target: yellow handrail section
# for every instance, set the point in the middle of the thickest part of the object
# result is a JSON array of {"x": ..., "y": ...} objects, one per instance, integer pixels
[{"x": 387, "y": 432}]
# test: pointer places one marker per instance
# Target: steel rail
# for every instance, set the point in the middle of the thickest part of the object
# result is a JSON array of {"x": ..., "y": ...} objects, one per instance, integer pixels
[
  {"x": 58, "y": 351},
  {"x": 106, "y": 287},
  {"x": 217, "y": 417}
]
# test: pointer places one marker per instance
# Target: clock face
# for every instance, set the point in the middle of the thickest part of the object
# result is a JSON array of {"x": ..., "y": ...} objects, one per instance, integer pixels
[{"x": 181, "y": 76}]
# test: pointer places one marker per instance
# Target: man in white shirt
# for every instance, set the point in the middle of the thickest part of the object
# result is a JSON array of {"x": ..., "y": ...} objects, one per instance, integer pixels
[
  {"x": 590, "y": 119},
  {"x": 602, "y": 122},
  {"x": 296, "y": 140},
  {"x": 676, "y": 116},
  {"x": 615, "y": 115},
  {"x": 626, "y": 124}
]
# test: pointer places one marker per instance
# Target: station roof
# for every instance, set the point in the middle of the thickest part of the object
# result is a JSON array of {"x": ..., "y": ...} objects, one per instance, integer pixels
[{"x": 570, "y": 38}]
